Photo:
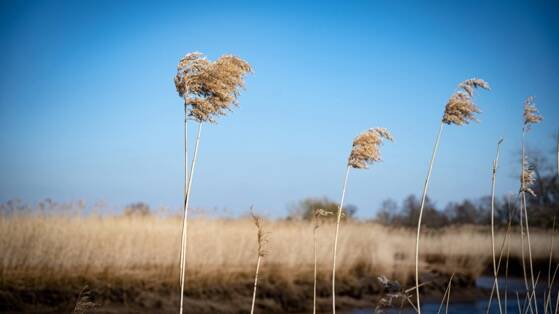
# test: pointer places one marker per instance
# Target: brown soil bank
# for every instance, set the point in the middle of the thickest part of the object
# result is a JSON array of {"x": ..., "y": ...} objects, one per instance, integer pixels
[{"x": 275, "y": 295}]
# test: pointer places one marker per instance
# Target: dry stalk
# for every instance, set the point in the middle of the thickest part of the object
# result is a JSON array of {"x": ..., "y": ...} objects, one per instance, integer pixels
[
  {"x": 501, "y": 250},
  {"x": 493, "y": 184},
  {"x": 209, "y": 89},
  {"x": 317, "y": 215},
  {"x": 550, "y": 277},
  {"x": 261, "y": 240},
  {"x": 460, "y": 109},
  {"x": 531, "y": 116},
  {"x": 185, "y": 219},
  {"x": 446, "y": 295},
  {"x": 185, "y": 184}
]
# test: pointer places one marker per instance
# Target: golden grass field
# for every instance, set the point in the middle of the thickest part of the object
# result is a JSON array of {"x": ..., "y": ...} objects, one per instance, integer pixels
[{"x": 58, "y": 248}]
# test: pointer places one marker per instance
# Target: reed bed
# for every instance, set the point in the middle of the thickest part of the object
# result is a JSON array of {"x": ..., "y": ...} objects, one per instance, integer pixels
[{"x": 56, "y": 248}]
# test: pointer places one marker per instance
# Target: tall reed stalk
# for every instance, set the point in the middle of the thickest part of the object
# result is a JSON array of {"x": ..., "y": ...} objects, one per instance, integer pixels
[
  {"x": 339, "y": 217},
  {"x": 531, "y": 116},
  {"x": 550, "y": 278},
  {"x": 186, "y": 176},
  {"x": 493, "y": 184},
  {"x": 365, "y": 150},
  {"x": 501, "y": 250},
  {"x": 460, "y": 109},
  {"x": 261, "y": 240},
  {"x": 317, "y": 215},
  {"x": 315, "y": 244},
  {"x": 185, "y": 216},
  {"x": 209, "y": 89},
  {"x": 446, "y": 296}
]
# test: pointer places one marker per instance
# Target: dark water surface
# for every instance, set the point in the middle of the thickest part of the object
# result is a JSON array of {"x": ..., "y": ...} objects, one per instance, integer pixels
[{"x": 480, "y": 306}]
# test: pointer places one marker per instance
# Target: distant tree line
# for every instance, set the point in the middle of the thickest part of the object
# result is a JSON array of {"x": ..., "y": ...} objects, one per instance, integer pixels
[
  {"x": 48, "y": 206},
  {"x": 542, "y": 208}
]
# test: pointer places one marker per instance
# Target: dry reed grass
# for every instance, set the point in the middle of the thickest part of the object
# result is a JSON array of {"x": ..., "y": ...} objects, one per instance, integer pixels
[
  {"x": 460, "y": 109},
  {"x": 209, "y": 89},
  {"x": 261, "y": 240},
  {"x": 366, "y": 146},
  {"x": 62, "y": 248},
  {"x": 531, "y": 116},
  {"x": 365, "y": 150},
  {"x": 493, "y": 185}
]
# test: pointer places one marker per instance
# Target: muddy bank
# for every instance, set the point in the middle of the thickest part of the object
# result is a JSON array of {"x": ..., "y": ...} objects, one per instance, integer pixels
[
  {"x": 275, "y": 295},
  {"x": 278, "y": 291}
]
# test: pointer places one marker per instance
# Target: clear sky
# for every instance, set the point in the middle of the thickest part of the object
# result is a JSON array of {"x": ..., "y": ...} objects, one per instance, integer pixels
[{"x": 88, "y": 108}]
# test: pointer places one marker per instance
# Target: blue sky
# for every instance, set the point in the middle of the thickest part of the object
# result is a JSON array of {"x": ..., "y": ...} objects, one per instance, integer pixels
[{"x": 89, "y": 111}]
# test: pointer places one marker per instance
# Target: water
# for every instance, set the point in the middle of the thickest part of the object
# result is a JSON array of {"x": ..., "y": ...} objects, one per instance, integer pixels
[
  {"x": 479, "y": 306},
  {"x": 455, "y": 308}
]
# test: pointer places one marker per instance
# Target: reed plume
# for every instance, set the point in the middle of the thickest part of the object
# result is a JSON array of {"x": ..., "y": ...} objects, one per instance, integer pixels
[
  {"x": 261, "y": 240},
  {"x": 366, "y": 147},
  {"x": 365, "y": 150},
  {"x": 531, "y": 116},
  {"x": 209, "y": 89},
  {"x": 460, "y": 109},
  {"x": 527, "y": 177}
]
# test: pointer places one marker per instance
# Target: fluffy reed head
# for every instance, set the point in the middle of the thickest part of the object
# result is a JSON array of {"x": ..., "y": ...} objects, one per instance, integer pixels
[
  {"x": 210, "y": 88},
  {"x": 365, "y": 148},
  {"x": 260, "y": 235},
  {"x": 527, "y": 178},
  {"x": 531, "y": 113},
  {"x": 319, "y": 214},
  {"x": 460, "y": 108}
]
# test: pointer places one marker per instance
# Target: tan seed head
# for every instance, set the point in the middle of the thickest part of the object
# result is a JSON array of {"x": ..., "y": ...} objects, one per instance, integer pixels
[
  {"x": 531, "y": 114},
  {"x": 209, "y": 88},
  {"x": 527, "y": 178},
  {"x": 260, "y": 235},
  {"x": 366, "y": 147},
  {"x": 460, "y": 108}
]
